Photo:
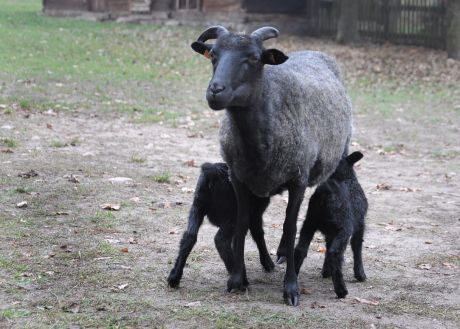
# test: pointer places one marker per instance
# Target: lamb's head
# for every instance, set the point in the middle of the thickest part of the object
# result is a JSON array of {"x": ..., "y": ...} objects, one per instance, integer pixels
[
  {"x": 237, "y": 61},
  {"x": 345, "y": 170}
]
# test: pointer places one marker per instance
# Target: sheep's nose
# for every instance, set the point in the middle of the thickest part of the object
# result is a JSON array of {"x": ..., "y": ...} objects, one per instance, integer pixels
[{"x": 216, "y": 88}]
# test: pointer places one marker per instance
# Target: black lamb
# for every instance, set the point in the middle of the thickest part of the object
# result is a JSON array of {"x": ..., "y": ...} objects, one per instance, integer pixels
[
  {"x": 337, "y": 209},
  {"x": 215, "y": 198}
]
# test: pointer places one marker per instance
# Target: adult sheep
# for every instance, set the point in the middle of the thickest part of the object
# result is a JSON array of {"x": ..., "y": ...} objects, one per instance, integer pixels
[{"x": 287, "y": 125}]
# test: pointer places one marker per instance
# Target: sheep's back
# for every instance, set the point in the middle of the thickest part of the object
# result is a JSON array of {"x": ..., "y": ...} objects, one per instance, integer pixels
[{"x": 306, "y": 125}]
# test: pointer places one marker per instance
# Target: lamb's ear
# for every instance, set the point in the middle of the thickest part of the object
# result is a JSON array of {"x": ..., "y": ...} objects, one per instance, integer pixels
[
  {"x": 201, "y": 48},
  {"x": 273, "y": 57},
  {"x": 354, "y": 157}
]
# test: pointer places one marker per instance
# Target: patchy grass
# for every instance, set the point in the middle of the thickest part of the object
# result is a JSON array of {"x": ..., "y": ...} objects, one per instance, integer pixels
[
  {"x": 164, "y": 178},
  {"x": 136, "y": 158},
  {"x": 407, "y": 306},
  {"x": 8, "y": 142}
]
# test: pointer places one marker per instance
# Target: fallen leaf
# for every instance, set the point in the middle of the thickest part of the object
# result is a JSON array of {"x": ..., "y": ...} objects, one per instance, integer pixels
[
  {"x": 66, "y": 248},
  {"x": 124, "y": 249},
  {"x": 110, "y": 206},
  {"x": 62, "y": 212},
  {"x": 133, "y": 241},
  {"x": 174, "y": 230},
  {"x": 305, "y": 291},
  {"x": 383, "y": 187},
  {"x": 428, "y": 242},
  {"x": 187, "y": 190},
  {"x": 28, "y": 174},
  {"x": 193, "y": 304},
  {"x": 22, "y": 204},
  {"x": 72, "y": 308},
  {"x": 317, "y": 305},
  {"x": 7, "y": 151},
  {"x": 165, "y": 205},
  {"x": 409, "y": 189},
  {"x": 120, "y": 180},
  {"x": 73, "y": 179},
  {"x": 449, "y": 265},
  {"x": 49, "y": 126},
  {"x": 122, "y": 286},
  {"x": 424, "y": 266},
  {"x": 321, "y": 249},
  {"x": 392, "y": 227},
  {"x": 190, "y": 163},
  {"x": 135, "y": 199},
  {"x": 365, "y": 301}
]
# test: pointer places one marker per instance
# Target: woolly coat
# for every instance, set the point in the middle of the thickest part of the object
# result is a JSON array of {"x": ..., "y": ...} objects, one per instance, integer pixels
[{"x": 297, "y": 127}]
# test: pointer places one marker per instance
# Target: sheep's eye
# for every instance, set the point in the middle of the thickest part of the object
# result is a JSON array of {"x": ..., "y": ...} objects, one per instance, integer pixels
[{"x": 253, "y": 60}]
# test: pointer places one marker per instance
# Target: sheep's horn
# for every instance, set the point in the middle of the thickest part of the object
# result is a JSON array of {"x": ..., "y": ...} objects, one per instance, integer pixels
[
  {"x": 212, "y": 33},
  {"x": 265, "y": 33}
]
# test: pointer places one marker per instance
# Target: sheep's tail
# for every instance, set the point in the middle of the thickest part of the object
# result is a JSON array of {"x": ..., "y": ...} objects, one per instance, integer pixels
[{"x": 213, "y": 171}]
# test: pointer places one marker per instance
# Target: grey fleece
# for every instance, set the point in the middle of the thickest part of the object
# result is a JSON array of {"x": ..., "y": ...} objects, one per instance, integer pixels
[{"x": 298, "y": 125}]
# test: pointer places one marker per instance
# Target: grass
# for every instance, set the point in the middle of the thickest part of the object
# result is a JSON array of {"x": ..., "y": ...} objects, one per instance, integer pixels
[
  {"x": 136, "y": 158},
  {"x": 8, "y": 142},
  {"x": 114, "y": 66},
  {"x": 163, "y": 178}
]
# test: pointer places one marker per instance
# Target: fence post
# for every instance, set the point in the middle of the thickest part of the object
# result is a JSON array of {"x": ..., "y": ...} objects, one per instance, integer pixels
[{"x": 386, "y": 19}]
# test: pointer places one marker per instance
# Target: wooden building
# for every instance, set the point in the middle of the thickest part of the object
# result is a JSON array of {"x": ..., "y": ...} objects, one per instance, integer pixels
[{"x": 288, "y": 15}]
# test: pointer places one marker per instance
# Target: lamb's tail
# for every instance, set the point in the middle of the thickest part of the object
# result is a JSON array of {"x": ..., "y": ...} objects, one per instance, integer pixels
[{"x": 213, "y": 171}]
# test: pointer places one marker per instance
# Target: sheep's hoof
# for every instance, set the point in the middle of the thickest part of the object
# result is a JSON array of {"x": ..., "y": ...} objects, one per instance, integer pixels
[
  {"x": 361, "y": 277},
  {"x": 341, "y": 292},
  {"x": 280, "y": 259},
  {"x": 173, "y": 282},
  {"x": 291, "y": 294},
  {"x": 268, "y": 265},
  {"x": 236, "y": 283}
]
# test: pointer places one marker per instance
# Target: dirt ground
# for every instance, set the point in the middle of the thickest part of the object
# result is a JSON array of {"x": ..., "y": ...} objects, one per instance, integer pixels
[{"x": 67, "y": 263}]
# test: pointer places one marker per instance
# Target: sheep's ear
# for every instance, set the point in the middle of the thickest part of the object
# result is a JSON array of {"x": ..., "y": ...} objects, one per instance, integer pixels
[
  {"x": 273, "y": 57},
  {"x": 354, "y": 157},
  {"x": 201, "y": 48}
]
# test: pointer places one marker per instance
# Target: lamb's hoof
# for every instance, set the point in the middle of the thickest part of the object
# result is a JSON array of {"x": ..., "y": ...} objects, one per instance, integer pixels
[
  {"x": 173, "y": 282},
  {"x": 280, "y": 259},
  {"x": 291, "y": 294},
  {"x": 361, "y": 277},
  {"x": 236, "y": 283},
  {"x": 268, "y": 265},
  {"x": 341, "y": 292}
]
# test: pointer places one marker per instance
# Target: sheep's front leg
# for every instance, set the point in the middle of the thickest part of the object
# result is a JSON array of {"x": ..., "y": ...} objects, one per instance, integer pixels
[
  {"x": 238, "y": 279},
  {"x": 291, "y": 288}
]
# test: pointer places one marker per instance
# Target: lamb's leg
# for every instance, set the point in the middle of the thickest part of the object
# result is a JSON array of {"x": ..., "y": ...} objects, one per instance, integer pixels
[
  {"x": 326, "y": 271},
  {"x": 223, "y": 242},
  {"x": 301, "y": 250},
  {"x": 187, "y": 242},
  {"x": 291, "y": 288},
  {"x": 238, "y": 279},
  {"x": 335, "y": 254},
  {"x": 356, "y": 247},
  {"x": 281, "y": 251},
  {"x": 257, "y": 232}
]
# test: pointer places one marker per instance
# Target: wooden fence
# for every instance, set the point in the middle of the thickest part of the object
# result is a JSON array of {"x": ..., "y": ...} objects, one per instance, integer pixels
[{"x": 414, "y": 22}]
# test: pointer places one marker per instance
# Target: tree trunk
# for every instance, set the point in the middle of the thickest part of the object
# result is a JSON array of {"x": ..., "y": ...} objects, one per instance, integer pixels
[
  {"x": 453, "y": 29},
  {"x": 347, "y": 26}
]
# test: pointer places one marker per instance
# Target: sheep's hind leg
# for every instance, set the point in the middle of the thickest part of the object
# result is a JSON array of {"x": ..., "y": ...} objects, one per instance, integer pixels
[
  {"x": 223, "y": 242},
  {"x": 187, "y": 242},
  {"x": 257, "y": 232},
  {"x": 356, "y": 247},
  {"x": 335, "y": 254},
  {"x": 326, "y": 271},
  {"x": 301, "y": 250}
]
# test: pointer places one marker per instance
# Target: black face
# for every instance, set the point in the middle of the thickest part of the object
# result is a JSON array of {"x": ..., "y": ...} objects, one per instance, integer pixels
[{"x": 237, "y": 62}]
